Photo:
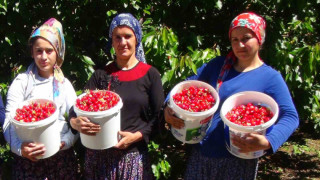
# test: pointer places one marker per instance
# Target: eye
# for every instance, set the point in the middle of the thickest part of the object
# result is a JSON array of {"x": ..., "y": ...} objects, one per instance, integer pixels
[
  {"x": 246, "y": 38},
  {"x": 128, "y": 36},
  {"x": 234, "y": 40},
  {"x": 49, "y": 51},
  {"x": 38, "y": 51}
]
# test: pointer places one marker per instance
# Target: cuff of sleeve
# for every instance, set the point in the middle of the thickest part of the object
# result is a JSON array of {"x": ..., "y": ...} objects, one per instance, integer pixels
[
  {"x": 272, "y": 149},
  {"x": 18, "y": 150}
]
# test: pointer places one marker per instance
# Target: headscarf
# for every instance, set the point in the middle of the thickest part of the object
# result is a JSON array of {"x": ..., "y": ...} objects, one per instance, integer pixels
[
  {"x": 251, "y": 21},
  {"x": 51, "y": 31},
  {"x": 248, "y": 20},
  {"x": 127, "y": 19}
]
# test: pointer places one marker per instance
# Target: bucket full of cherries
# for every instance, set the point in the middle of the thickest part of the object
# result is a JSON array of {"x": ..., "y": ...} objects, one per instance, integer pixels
[
  {"x": 35, "y": 120},
  {"x": 195, "y": 102},
  {"x": 247, "y": 112},
  {"x": 101, "y": 107}
]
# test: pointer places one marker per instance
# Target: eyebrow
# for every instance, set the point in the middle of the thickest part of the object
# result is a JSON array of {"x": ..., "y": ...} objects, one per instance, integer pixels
[{"x": 49, "y": 48}]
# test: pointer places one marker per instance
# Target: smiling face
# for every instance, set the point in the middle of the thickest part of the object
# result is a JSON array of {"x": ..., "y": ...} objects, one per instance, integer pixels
[
  {"x": 44, "y": 56},
  {"x": 244, "y": 44},
  {"x": 124, "y": 42}
]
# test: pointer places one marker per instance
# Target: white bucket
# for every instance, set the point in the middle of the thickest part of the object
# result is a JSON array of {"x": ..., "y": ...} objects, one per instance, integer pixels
[
  {"x": 41, "y": 132},
  {"x": 231, "y": 128},
  {"x": 109, "y": 121},
  {"x": 196, "y": 123}
]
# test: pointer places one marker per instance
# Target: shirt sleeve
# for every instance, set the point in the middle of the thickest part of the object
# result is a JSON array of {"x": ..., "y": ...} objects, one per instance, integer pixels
[
  {"x": 156, "y": 100},
  {"x": 288, "y": 119},
  {"x": 66, "y": 134},
  {"x": 91, "y": 84},
  {"x": 14, "y": 97},
  {"x": 2, "y": 111}
]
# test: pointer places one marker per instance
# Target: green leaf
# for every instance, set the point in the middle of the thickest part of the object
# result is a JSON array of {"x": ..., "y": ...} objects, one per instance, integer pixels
[
  {"x": 164, "y": 36},
  {"x": 219, "y": 4},
  {"x": 111, "y": 13},
  {"x": 87, "y": 60},
  {"x": 8, "y": 41},
  {"x": 194, "y": 68}
]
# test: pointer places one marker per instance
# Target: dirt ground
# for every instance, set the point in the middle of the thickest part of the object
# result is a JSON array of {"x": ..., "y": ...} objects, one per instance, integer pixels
[{"x": 299, "y": 158}]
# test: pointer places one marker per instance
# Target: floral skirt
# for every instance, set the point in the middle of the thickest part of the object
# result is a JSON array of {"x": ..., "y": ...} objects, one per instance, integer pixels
[
  {"x": 233, "y": 168},
  {"x": 62, "y": 165},
  {"x": 114, "y": 164}
]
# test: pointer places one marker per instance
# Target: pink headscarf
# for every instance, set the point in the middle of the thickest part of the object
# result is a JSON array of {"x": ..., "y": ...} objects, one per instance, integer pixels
[{"x": 248, "y": 20}]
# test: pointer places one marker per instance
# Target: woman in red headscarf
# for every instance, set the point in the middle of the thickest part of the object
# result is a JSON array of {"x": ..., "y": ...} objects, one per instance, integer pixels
[{"x": 241, "y": 70}]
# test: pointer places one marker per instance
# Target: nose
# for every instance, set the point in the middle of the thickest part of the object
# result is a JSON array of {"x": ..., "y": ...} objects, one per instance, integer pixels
[
  {"x": 241, "y": 44},
  {"x": 122, "y": 41},
  {"x": 44, "y": 55}
]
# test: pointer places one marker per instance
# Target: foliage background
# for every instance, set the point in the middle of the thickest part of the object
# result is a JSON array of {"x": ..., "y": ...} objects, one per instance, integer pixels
[{"x": 179, "y": 36}]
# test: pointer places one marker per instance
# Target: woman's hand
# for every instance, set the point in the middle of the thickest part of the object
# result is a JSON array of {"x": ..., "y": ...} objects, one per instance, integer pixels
[
  {"x": 85, "y": 126},
  {"x": 62, "y": 144},
  {"x": 32, "y": 150},
  {"x": 172, "y": 119},
  {"x": 127, "y": 139},
  {"x": 251, "y": 142}
]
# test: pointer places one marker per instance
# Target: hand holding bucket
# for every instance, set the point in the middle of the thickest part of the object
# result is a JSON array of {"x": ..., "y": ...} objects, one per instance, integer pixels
[
  {"x": 104, "y": 125},
  {"x": 44, "y": 132},
  {"x": 196, "y": 123},
  {"x": 232, "y": 130}
]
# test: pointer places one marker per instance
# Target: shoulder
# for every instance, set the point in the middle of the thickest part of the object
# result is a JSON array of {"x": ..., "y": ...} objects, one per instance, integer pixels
[
  {"x": 67, "y": 82},
  {"x": 21, "y": 76},
  {"x": 216, "y": 62},
  {"x": 270, "y": 71},
  {"x": 19, "y": 80}
]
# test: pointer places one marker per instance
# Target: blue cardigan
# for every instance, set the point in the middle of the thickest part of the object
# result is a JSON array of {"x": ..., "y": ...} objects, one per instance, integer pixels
[
  {"x": 2, "y": 112},
  {"x": 263, "y": 79}
]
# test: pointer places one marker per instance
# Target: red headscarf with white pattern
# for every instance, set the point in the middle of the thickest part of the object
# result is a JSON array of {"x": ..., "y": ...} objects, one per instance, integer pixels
[{"x": 248, "y": 20}]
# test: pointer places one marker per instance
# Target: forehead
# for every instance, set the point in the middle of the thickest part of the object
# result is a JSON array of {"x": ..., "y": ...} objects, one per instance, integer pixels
[
  {"x": 122, "y": 30},
  {"x": 43, "y": 43},
  {"x": 241, "y": 31}
]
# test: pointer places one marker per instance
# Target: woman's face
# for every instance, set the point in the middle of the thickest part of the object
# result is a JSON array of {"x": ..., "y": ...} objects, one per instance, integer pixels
[
  {"x": 244, "y": 44},
  {"x": 44, "y": 56},
  {"x": 124, "y": 42}
]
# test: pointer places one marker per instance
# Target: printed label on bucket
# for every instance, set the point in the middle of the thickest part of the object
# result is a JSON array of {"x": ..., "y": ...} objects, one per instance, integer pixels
[
  {"x": 235, "y": 150},
  {"x": 176, "y": 133}
]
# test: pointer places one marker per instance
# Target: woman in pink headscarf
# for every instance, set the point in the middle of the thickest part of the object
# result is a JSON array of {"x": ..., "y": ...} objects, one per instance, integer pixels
[
  {"x": 241, "y": 70},
  {"x": 43, "y": 80}
]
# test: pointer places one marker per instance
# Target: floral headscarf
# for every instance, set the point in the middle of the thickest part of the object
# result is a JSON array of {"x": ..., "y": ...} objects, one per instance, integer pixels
[
  {"x": 248, "y": 20},
  {"x": 251, "y": 21},
  {"x": 51, "y": 31},
  {"x": 126, "y": 19}
]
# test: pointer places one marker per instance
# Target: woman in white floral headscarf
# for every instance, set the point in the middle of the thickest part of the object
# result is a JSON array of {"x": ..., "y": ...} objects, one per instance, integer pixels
[{"x": 43, "y": 79}]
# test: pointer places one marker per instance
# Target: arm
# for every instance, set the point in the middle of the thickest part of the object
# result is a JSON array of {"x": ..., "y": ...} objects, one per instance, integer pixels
[
  {"x": 206, "y": 73},
  {"x": 2, "y": 111},
  {"x": 66, "y": 135},
  {"x": 14, "y": 97},
  {"x": 156, "y": 96},
  {"x": 83, "y": 124},
  {"x": 288, "y": 119}
]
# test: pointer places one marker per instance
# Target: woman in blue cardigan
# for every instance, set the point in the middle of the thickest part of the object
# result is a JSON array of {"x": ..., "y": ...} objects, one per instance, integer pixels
[{"x": 241, "y": 70}]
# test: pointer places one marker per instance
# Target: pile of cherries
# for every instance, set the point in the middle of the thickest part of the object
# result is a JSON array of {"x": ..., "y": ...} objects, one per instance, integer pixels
[
  {"x": 194, "y": 99},
  {"x": 249, "y": 115},
  {"x": 34, "y": 112},
  {"x": 97, "y": 100}
]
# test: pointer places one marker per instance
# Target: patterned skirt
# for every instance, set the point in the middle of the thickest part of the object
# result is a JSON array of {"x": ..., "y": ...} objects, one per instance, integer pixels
[
  {"x": 202, "y": 167},
  {"x": 114, "y": 164},
  {"x": 62, "y": 165}
]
